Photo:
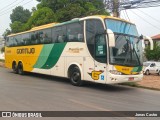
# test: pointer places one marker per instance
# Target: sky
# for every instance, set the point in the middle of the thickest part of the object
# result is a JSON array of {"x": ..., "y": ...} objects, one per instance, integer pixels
[
  {"x": 147, "y": 20},
  {"x": 6, "y": 8}
]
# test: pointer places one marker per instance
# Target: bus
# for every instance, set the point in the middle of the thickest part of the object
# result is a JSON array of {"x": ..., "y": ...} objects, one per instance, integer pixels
[{"x": 100, "y": 49}]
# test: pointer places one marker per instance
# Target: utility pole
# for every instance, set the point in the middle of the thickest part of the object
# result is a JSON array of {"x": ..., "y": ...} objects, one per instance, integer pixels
[
  {"x": 113, "y": 7},
  {"x": 116, "y": 5}
]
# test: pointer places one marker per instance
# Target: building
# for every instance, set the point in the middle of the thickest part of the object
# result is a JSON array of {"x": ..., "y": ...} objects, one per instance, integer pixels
[{"x": 156, "y": 39}]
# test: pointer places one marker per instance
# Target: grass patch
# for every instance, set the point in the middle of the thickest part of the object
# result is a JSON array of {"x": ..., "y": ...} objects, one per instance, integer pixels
[{"x": 1, "y": 60}]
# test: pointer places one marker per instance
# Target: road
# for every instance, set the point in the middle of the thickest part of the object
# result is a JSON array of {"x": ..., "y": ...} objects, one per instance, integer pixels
[{"x": 35, "y": 92}]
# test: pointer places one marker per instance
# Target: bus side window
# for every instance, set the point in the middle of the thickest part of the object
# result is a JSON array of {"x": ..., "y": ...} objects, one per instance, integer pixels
[
  {"x": 46, "y": 36},
  {"x": 26, "y": 39},
  {"x": 75, "y": 32},
  {"x": 60, "y": 34}
]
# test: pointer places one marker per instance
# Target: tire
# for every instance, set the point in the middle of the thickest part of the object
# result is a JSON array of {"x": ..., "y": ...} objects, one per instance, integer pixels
[
  {"x": 158, "y": 72},
  {"x": 20, "y": 69},
  {"x": 75, "y": 76},
  {"x": 14, "y": 67},
  {"x": 147, "y": 72}
]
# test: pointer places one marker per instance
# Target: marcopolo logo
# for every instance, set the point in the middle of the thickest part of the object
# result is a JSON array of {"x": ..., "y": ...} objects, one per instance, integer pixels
[{"x": 26, "y": 51}]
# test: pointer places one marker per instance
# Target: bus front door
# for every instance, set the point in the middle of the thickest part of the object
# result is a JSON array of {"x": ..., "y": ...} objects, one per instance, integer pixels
[{"x": 100, "y": 59}]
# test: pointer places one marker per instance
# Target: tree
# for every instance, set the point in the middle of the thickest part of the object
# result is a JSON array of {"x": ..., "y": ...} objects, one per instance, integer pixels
[
  {"x": 20, "y": 14},
  {"x": 33, "y": 9},
  {"x": 153, "y": 54},
  {"x": 6, "y": 33},
  {"x": 70, "y": 12},
  {"x": 40, "y": 17},
  {"x": 16, "y": 26},
  {"x": 69, "y": 9},
  {"x": 3, "y": 49}
]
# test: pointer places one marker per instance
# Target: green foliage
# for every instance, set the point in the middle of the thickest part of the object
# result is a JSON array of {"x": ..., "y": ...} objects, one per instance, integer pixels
[
  {"x": 153, "y": 54},
  {"x": 6, "y": 33},
  {"x": 3, "y": 49},
  {"x": 33, "y": 9},
  {"x": 20, "y": 14},
  {"x": 16, "y": 26},
  {"x": 53, "y": 10},
  {"x": 70, "y": 12},
  {"x": 40, "y": 17},
  {"x": 68, "y": 9}
]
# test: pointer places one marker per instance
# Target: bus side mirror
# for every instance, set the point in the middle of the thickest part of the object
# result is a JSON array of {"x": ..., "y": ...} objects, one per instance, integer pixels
[
  {"x": 111, "y": 38},
  {"x": 150, "y": 40}
]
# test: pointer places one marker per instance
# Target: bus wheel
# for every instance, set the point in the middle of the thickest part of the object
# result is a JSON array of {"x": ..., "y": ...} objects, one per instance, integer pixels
[
  {"x": 20, "y": 69},
  {"x": 75, "y": 76},
  {"x": 14, "y": 67}
]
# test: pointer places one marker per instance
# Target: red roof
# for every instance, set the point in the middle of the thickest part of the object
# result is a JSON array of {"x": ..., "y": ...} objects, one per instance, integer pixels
[{"x": 156, "y": 37}]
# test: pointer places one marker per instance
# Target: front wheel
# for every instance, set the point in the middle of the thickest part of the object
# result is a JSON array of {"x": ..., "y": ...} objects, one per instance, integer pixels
[
  {"x": 147, "y": 72},
  {"x": 20, "y": 69},
  {"x": 75, "y": 77}
]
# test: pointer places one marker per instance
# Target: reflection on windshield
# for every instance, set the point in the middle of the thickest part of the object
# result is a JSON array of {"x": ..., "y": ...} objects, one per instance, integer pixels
[{"x": 127, "y": 51}]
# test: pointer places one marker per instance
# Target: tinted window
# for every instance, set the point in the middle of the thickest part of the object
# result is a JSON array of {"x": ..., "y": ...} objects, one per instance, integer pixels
[
  {"x": 75, "y": 32},
  {"x": 26, "y": 39},
  {"x": 59, "y": 34},
  {"x": 41, "y": 37},
  {"x": 96, "y": 41},
  {"x": 45, "y": 36}
]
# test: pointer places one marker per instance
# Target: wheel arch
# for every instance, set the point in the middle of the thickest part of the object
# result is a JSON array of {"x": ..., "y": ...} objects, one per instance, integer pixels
[{"x": 72, "y": 65}]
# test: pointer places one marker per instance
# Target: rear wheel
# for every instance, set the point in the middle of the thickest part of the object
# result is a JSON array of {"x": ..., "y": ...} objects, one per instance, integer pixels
[
  {"x": 75, "y": 76},
  {"x": 14, "y": 67},
  {"x": 20, "y": 69}
]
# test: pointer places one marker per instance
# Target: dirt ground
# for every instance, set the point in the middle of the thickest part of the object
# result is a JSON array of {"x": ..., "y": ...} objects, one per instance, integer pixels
[{"x": 149, "y": 81}]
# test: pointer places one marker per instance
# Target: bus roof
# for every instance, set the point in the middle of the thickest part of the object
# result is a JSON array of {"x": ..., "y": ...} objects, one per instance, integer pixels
[
  {"x": 36, "y": 28},
  {"x": 108, "y": 17},
  {"x": 68, "y": 22}
]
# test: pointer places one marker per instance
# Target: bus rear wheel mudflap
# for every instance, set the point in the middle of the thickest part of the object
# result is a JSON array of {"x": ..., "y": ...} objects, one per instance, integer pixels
[
  {"x": 20, "y": 68},
  {"x": 75, "y": 76}
]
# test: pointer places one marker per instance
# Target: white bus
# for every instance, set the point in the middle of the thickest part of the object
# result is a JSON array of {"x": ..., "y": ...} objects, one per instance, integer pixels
[{"x": 100, "y": 49}]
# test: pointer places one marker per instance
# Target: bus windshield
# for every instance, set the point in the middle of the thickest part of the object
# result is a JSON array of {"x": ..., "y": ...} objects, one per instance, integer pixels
[{"x": 128, "y": 47}]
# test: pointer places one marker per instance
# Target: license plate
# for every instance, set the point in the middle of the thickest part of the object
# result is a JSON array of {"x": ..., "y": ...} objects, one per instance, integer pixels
[{"x": 130, "y": 78}]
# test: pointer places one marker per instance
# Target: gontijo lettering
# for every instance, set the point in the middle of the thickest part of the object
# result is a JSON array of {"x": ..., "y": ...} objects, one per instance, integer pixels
[{"x": 26, "y": 51}]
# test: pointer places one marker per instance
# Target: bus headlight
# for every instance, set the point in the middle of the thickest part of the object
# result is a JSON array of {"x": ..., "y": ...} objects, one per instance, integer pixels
[{"x": 115, "y": 72}]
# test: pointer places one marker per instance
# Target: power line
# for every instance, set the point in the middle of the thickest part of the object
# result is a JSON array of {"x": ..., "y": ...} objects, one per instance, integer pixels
[
  {"x": 16, "y": 5},
  {"x": 123, "y": 15},
  {"x": 127, "y": 15},
  {"x": 12, "y": 6},
  {"x": 145, "y": 20},
  {"x": 7, "y": 6},
  {"x": 149, "y": 16}
]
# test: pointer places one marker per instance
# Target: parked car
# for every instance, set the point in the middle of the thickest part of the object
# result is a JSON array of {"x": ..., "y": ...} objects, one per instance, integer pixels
[{"x": 151, "y": 68}]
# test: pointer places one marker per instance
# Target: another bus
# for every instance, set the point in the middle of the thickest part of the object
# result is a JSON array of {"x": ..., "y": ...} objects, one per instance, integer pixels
[{"x": 100, "y": 49}]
